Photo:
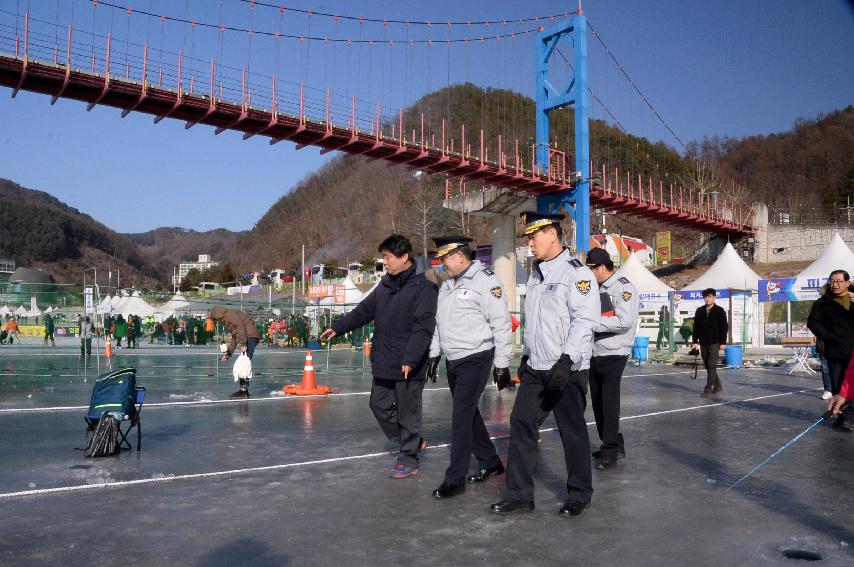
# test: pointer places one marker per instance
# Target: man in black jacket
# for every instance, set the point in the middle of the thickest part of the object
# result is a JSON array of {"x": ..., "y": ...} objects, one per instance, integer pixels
[
  {"x": 831, "y": 320},
  {"x": 403, "y": 307},
  {"x": 710, "y": 330}
]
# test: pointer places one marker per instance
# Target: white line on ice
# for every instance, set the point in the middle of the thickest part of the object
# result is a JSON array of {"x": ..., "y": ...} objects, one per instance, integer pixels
[
  {"x": 254, "y": 400},
  {"x": 77, "y": 488}
]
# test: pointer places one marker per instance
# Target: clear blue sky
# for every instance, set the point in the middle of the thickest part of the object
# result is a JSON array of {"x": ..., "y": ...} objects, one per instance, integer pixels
[{"x": 727, "y": 68}]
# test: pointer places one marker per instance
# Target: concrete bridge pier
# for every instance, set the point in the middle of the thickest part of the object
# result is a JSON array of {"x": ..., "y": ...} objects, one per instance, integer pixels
[{"x": 504, "y": 207}]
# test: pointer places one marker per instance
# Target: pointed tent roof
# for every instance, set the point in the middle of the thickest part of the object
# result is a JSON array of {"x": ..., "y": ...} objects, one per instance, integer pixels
[
  {"x": 5, "y": 310},
  {"x": 728, "y": 271},
  {"x": 177, "y": 303},
  {"x": 641, "y": 278},
  {"x": 21, "y": 310},
  {"x": 836, "y": 256},
  {"x": 106, "y": 301},
  {"x": 134, "y": 305},
  {"x": 352, "y": 293}
]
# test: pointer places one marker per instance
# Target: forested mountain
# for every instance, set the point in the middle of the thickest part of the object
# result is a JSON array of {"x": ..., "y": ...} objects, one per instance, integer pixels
[
  {"x": 342, "y": 211},
  {"x": 38, "y": 230},
  {"x": 169, "y": 246},
  {"x": 811, "y": 164}
]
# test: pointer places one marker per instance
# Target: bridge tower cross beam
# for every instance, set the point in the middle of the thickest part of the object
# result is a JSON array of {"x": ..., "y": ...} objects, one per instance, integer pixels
[{"x": 575, "y": 201}]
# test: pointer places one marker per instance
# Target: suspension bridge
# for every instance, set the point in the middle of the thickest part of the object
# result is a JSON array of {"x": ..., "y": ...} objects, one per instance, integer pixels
[{"x": 341, "y": 96}]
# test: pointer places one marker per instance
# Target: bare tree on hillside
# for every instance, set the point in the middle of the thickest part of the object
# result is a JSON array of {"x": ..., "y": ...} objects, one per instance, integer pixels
[{"x": 426, "y": 206}]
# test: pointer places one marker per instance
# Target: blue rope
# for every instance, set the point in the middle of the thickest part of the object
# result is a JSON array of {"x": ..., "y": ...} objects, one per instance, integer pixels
[{"x": 780, "y": 450}]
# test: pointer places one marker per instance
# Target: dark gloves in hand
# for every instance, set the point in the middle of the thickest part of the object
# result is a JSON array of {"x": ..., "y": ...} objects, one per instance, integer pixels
[
  {"x": 560, "y": 373},
  {"x": 501, "y": 377},
  {"x": 433, "y": 368}
]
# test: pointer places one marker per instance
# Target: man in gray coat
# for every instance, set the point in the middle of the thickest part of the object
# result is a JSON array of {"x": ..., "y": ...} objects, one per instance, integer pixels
[
  {"x": 473, "y": 330},
  {"x": 612, "y": 342},
  {"x": 561, "y": 309}
]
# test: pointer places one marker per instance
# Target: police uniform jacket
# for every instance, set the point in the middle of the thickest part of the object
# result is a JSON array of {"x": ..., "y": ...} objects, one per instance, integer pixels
[
  {"x": 561, "y": 309},
  {"x": 472, "y": 317},
  {"x": 615, "y": 333}
]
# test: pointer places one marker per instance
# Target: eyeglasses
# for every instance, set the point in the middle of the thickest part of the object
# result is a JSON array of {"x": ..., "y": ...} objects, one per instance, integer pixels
[{"x": 838, "y": 282}]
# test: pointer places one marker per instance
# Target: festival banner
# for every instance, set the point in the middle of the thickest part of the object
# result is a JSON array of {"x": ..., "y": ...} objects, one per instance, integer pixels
[{"x": 790, "y": 289}]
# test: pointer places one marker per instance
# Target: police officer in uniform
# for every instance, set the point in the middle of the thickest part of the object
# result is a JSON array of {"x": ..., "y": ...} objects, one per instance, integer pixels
[
  {"x": 473, "y": 330},
  {"x": 561, "y": 309},
  {"x": 612, "y": 342}
]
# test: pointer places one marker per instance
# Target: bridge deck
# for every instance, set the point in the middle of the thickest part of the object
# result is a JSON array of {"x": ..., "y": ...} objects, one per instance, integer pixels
[{"x": 104, "y": 89}]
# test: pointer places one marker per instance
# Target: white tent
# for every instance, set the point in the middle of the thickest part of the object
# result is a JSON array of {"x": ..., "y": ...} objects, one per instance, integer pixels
[
  {"x": 643, "y": 280},
  {"x": 106, "y": 301},
  {"x": 5, "y": 310},
  {"x": 836, "y": 256},
  {"x": 49, "y": 310},
  {"x": 35, "y": 312},
  {"x": 353, "y": 295},
  {"x": 367, "y": 293},
  {"x": 21, "y": 310},
  {"x": 177, "y": 303},
  {"x": 728, "y": 272},
  {"x": 135, "y": 305}
]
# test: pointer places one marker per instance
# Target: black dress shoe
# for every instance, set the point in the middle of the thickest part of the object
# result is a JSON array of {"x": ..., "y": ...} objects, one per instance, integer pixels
[
  {"x": 573, "y": 509},
  {"x": 449, "y": 490},
  {"x": 621, "y": 454},
  {"x": 510, "y": 506},
  {"x": 606, "y": 464},
  {"x": 484, "y": 474}
]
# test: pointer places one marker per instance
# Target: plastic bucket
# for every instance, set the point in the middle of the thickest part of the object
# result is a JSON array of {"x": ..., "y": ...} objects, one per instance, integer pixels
[
  {"x": 733, "y": 356},
  {"x": 640, "y": 350}
]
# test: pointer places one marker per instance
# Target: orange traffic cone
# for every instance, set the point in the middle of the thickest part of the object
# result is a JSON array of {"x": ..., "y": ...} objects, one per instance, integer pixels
[
  {"x": 108, "y": 350},
  {"x": 309, "y": 385},
  {"x": 366, "y": 348}
]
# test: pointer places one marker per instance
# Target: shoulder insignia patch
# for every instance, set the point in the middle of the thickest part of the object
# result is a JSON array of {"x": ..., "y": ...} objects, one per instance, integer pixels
[
  {"x": 627, "y": 295},
  {"x": 576, "y": 263},
  {"x": 583, "y": 286},
  {"x": 623, "y": 280},
  {"x": 495, "y": 291},
  {"x": 488, "y": 272}
]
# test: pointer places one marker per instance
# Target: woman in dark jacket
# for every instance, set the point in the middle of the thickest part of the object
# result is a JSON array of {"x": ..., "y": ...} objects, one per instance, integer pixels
[
  {"x": 403, "y": 307},
  {"x": 831, "y": 320}
]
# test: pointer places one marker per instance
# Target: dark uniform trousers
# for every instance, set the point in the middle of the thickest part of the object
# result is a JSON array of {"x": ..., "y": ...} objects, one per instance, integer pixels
[
  {"x": 467, "y": 378},
  {"x": 710, "y": 354},
  {"x": 532, "y": 406},
  {"x": 605, "y": 375},
  {"x": 397, "y": 406}
]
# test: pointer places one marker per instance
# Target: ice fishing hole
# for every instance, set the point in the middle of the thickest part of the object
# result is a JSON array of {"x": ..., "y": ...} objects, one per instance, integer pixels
[{"x": 801, "y": 554}]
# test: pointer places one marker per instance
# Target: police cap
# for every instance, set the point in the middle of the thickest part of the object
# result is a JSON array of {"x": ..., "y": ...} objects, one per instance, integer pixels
[
  {"x": 598, "y": 257},
  {"x": 447, "y": 244},
  {"x": 535, "y": 221}
]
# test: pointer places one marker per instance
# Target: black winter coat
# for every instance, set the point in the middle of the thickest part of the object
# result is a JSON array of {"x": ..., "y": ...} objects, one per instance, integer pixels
[
  {"x": 404, "y": 311},
  {"x": 833, "y": 326},
  {"x": 710, "y": 328}
]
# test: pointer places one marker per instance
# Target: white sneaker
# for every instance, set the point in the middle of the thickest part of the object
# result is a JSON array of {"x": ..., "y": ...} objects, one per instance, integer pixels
[{"x": 826, "y": 395}]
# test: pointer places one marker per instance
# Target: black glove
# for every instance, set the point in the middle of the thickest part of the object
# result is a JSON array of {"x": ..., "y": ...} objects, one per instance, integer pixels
[
  {"x": 433, "y": 368},
  {"x": 560, "y": 373},
  {"x": 501, "y": 377}
]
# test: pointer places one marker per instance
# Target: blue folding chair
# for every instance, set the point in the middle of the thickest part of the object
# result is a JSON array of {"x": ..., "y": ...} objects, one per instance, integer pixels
[{"x": 116, "y": 393}]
